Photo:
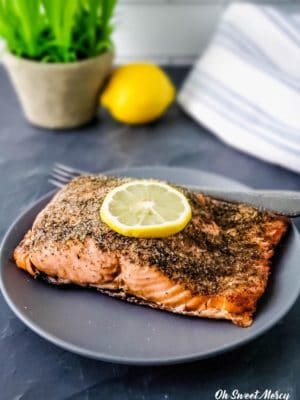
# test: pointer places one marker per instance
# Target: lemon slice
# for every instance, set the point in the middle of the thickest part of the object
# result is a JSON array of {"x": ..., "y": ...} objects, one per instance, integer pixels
[{"x": 145, "y": 208}]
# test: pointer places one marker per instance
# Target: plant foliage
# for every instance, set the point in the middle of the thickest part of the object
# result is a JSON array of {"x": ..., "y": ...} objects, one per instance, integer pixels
[{"x": 56, "y": 30}]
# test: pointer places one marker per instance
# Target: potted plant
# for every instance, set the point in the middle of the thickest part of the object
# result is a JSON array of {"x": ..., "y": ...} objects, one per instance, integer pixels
[{"x": 58, "y": 56}]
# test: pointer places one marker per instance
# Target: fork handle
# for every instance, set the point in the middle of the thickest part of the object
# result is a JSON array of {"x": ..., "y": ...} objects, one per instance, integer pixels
[{"x": 282, "y": 202}]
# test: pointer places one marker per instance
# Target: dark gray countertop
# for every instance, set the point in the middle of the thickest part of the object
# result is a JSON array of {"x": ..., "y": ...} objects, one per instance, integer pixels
[{"x": 30, "y": 367}]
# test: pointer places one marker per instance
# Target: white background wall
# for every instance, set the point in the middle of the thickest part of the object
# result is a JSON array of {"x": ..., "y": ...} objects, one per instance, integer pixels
[{"x": 170, "y": 31}]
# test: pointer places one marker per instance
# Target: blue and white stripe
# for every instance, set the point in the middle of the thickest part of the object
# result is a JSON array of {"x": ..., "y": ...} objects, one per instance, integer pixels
[{"x": 246, "y": 86}]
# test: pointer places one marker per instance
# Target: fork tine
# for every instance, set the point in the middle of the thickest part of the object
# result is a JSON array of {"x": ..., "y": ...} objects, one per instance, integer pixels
[
  {"x": 67, "y": 168},
  {"x": 60, "y": 178},
  {"x": 69, "y": 175},
  {"x": 56, "y": 183}
]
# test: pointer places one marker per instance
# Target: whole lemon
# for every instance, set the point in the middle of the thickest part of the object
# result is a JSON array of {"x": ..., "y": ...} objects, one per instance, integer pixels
[{"x": 138, "y": 93}]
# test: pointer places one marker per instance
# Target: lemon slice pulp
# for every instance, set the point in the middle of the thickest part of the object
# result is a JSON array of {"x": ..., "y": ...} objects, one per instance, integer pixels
[{"x": 145, "y": 208}]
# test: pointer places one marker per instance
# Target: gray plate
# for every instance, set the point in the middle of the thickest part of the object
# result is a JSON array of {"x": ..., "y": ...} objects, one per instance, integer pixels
[{"x": 97, "y": 326}]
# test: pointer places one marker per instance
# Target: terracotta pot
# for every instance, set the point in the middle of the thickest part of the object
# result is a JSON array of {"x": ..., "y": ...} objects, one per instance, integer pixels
[{"x": 59, "y": 95}]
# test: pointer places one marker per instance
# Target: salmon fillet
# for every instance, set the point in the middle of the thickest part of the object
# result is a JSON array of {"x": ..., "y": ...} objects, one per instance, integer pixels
[{"x": 216, "y": 267}]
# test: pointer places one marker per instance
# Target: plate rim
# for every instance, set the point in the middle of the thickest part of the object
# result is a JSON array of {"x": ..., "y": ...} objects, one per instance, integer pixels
[{"x": 80, "y": 350}]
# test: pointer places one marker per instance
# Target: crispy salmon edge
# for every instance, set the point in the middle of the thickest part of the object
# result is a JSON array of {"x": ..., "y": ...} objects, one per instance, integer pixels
[{"x": 242, "y": 319}]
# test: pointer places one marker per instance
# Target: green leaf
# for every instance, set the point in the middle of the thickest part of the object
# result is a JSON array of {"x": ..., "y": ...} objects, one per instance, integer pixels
[{"x": 56, "y": 30}]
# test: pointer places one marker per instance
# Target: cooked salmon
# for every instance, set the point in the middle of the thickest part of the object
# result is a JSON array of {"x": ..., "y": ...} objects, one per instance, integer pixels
[{"x": 216, "y": 267}]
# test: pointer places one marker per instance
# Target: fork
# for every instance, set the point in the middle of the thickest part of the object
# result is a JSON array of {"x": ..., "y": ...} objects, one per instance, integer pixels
[
  {"x": 284, "y": 202},
  {"x": 62, "y": 174}
]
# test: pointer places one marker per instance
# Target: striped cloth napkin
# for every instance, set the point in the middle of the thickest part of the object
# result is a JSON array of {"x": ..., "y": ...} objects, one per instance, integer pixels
[{"x": 246, "y": 86}]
